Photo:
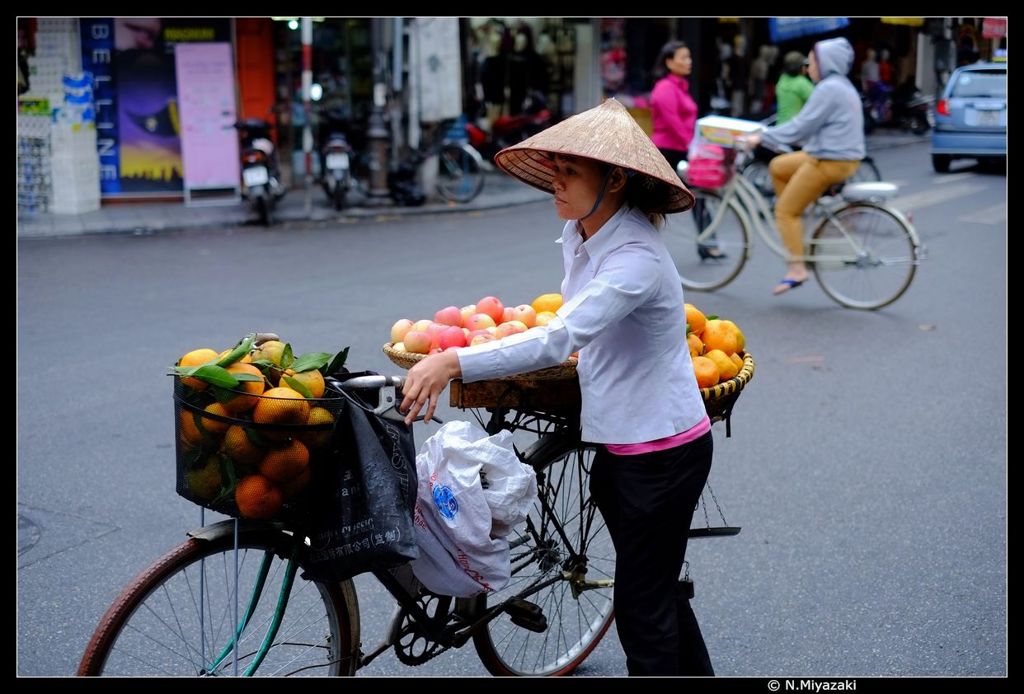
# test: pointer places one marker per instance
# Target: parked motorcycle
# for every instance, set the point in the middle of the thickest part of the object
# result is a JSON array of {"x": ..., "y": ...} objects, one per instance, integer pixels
[
  {"x": 261, "y": 178},
  {"x": 506, "y": 131},
  {"x": 335, "y": 158},
  {"x": 905, "y": 107}
]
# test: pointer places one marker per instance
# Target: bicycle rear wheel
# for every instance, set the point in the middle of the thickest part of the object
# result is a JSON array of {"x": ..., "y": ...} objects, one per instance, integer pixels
[
  {"x": 564, "y": 546},
  {"x": 864, "y": 256},
  {"x": 867, "y": 172},
  {"x": 694, "y": 252},
  {"x": 176, "y": 617},
  {"x": 459, "y": 177}
]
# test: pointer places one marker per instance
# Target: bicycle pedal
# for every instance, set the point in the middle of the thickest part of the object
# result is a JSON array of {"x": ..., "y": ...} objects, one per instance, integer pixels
[
  {"x": 527, "y": 615},
  {"x": 686, "y": 588}
]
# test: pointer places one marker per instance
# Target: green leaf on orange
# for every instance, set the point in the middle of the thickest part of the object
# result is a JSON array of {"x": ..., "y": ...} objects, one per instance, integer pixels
[
  {"x": 337, "y": 363},
  {"x": 298, "y": 387},
  {"x": 310, "y": 361}
]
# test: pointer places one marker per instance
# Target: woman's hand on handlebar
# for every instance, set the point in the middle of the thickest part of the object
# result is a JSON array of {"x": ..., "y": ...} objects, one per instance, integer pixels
[{"x": 426, "y": 381}]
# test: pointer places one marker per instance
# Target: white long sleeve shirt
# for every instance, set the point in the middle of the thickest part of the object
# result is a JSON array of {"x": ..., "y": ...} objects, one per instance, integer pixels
[{"x": 624, "y": 313}]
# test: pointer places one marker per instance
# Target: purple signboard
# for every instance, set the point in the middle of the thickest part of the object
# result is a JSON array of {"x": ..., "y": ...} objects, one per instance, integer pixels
[{"x": 206, "y": 105}]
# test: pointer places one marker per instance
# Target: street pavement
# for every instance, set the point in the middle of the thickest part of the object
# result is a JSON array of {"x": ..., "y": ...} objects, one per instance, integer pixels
[
  {"x": 145, "y": 218},
  {"x": 867, "y": 464}
]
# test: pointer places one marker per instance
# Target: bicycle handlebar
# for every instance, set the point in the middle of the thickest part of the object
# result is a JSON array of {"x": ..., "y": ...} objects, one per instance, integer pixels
[{"x": 369, "y": 382}]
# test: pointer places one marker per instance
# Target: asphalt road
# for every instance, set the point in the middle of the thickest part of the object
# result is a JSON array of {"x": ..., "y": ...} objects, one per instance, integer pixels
[{"x": 867, "y": 465}]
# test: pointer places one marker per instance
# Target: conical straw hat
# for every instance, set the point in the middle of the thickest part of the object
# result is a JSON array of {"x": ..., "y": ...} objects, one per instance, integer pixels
[{"x": 606, "y": 133}]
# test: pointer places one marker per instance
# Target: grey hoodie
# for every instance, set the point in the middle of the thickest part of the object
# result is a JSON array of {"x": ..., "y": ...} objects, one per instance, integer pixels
[{"x": 831, "y": 123}]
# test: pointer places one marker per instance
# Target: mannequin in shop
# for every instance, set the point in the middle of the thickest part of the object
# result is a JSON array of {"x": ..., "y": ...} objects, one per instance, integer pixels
[
  {"x": 868, "y": 71},
  {"x": 492, "y": 70},
  {"x": 546, "y": 46},
  {"x": 761, "y": 89},
  {"x": 885, "y": 67},
  {"x": 720, "y": 99},
  {"x": 527, "y": 71},
  {"x": 739, "y": 70}
]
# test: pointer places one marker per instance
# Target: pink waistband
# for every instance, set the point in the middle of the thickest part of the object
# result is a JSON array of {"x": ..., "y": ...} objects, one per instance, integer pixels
[{"x": 691, "y": 434}]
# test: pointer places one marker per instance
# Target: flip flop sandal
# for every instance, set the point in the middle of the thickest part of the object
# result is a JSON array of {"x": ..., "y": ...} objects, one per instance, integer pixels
[{"x": 785, "y": 284}]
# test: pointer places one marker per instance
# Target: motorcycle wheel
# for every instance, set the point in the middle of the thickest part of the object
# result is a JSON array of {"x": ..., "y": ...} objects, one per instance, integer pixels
[
  {"x": 919, "y": 124},
  {"x": 339, "y": 197},
  {"x": 263, "y": 210}
]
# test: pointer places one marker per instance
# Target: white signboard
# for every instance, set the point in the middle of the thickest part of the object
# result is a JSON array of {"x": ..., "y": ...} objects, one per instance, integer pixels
[{"x": 439, "y": 68}]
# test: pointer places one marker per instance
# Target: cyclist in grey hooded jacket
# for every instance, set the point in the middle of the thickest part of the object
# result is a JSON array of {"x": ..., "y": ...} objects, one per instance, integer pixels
[{"x": 831, "y": 128}]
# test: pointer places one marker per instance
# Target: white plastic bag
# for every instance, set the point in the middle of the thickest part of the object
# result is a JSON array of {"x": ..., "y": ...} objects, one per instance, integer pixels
[{"x": 461, "y": 525}]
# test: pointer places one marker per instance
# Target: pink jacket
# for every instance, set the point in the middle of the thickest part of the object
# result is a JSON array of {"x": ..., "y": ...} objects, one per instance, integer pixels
[{"x": 673, "y": 113}]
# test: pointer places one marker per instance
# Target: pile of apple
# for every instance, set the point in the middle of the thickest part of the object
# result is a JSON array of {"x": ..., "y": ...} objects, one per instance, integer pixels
[
  {"x": 716, "y": 345},
  {"x": 488, "y": 319}
]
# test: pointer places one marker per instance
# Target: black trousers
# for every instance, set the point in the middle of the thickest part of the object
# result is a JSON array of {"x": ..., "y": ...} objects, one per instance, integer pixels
[{"x": 647, "y": 501}]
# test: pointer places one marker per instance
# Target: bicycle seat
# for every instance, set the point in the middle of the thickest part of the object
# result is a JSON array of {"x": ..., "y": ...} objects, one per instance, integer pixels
[
  {"x": 834, "y": 189},
  {"x": 857, "y": 192}
]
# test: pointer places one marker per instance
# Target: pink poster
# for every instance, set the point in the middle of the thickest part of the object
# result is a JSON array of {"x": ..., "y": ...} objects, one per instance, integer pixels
[{"x": 206, "y": 105}]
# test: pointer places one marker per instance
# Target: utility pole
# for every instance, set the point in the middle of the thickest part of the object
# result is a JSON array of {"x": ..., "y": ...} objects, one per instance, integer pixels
[
  {"x": 377, "y": 133},
  {"x": 307, "y": 85}
]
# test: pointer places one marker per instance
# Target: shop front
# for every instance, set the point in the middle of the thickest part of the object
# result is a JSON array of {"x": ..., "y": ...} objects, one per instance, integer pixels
[
  {"x": 342, "y": 73},
  {"x": 139, "y": 134}
]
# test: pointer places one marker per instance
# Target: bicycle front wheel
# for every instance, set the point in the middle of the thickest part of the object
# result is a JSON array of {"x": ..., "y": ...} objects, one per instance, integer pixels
[
  {"x": 176, "y": 618},
  {"x": 757, "y": 172},
  {"x": 562, "y": 560},
  {"x": 459, "y": 177},
  {"x": 709, "y": 243},
  {"x": 864, "y": 256}
]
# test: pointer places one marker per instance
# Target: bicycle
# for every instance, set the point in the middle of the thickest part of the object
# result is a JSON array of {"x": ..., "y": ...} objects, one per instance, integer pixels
[
  {"x": 859, "y": 243},
  {"x": 198, "y": 611},
  {"x": 460, "y": 168}
]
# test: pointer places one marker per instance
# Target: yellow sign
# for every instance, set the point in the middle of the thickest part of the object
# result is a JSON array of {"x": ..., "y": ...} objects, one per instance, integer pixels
[{"x": 907, "y": 21}]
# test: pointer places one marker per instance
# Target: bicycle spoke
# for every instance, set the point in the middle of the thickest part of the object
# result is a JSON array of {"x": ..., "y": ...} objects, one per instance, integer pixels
[
  {"x": 864, "y": 256},
  {"x": 708, "y": 244},
  {"x": 559, "y": 535},
  {"x": 176, "y": 618}
]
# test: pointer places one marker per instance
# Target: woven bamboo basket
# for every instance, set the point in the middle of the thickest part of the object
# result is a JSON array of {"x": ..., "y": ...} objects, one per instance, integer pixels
[
  {"x": 566, "y": 369},
  {"x": 557, "y": 388},
  {"x": 719, "y": 399}
]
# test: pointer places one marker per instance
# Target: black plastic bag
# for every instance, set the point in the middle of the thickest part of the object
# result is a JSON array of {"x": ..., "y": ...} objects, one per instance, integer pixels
[{"x": 362, "y": 507}]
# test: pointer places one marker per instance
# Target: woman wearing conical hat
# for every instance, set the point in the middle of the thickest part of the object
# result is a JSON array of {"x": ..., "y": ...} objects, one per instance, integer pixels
[{"x": 623, "y": 312}]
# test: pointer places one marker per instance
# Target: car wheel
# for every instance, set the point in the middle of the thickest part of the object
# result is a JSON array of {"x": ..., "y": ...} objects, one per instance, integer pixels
[
  {"x": 993, "y": 163},
  {"x": 940, "y": 162}
]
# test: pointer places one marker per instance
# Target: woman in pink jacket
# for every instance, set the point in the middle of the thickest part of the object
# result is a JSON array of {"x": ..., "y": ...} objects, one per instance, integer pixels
[
  {"x": 673, "y": 110},
  {"x": 674, "y": 119}
]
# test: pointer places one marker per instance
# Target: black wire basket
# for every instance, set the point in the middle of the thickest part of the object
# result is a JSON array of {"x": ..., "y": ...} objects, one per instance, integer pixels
[{"x": 251, "y": 455}]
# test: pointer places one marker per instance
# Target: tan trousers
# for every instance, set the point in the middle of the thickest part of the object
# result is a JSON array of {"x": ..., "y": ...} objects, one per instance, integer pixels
[{"x": 799, "y": 180}]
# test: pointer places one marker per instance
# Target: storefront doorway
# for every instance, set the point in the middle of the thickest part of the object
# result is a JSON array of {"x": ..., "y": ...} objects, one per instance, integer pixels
[{"x": 343, "y": 83}]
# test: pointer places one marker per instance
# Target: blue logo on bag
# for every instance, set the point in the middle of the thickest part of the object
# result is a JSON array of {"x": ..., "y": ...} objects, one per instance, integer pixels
[{"x": 445, "y": 501}]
